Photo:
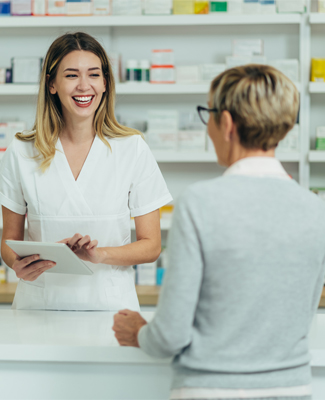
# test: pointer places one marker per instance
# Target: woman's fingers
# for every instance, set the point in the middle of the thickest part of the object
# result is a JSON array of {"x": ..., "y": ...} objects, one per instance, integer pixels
[
  {"x": 92, "y": 245},
  {"x": 35, "y": 269},
  {"x": 84, "y": 241},
  {"x": 74, "y": 240}
]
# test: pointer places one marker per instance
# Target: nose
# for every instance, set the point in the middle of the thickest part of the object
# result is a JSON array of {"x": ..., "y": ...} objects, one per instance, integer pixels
[{"x": 83, "y": 84}]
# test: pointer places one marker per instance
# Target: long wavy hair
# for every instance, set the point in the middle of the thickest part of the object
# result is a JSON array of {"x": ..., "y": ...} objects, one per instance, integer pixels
[{"x": 49, "y": 120}]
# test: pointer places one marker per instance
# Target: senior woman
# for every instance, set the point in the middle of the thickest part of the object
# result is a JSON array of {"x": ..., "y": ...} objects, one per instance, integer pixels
[{"x": 246, "y": 257}]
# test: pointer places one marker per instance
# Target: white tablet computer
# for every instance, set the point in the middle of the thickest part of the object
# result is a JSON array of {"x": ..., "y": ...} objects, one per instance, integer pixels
[{"x": 66, "y": 261}]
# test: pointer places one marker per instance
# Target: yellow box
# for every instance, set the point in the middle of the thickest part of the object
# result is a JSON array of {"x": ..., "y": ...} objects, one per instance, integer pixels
[
  {"x": 201, "y": 7},
  {"x": 166, "y": 211},
  {"x": 183, "y": 6},
  {"x": 317, "y": 70},
  {"x": 321, "y": 6}
]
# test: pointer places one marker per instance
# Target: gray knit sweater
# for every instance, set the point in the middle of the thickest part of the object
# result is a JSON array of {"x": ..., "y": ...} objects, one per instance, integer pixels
[{"x": 246, "y": 269}]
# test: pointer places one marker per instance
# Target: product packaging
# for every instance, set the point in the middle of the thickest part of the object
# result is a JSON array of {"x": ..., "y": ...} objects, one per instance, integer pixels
[
  {"x": 126, "y": 7},
  {"x": 162, "y": 66},
  {"x": 201, "y": 7},
  {"x": 21, "y": 7},
  {"x": 188, "y": 74},
  {"x": 210, "y": 71},
  {"x": 321, "y": 6},
  {"x": 79, "y": 7},
  {"x": 320, "y": 138},
  {"x": 218, "y": 6},
  {"x": 160, "y": 276},
  {"x": 290, "y": 143},
  {"x": 162, "y": 57},
  {"x": 101, "y": 7},
  {"x": 232, "y": 61},
  {"x": 147, "y": 274},
  {"x": 157, "y": 7},
  {"x": 268, "y": 6},
  {"x": 289, "y": 67},
  {"x": 4, "y": 8},
  {"x": 144, "y": 71},
  {"x": 3, "y": 274},
  {"x": 235, "y": 6},
  {"x": 8, "y": 131},
  {"x": 251, "y": 7},
  {"x": 191, "y": 136},
  {"x": 183, "y": 6},
  {"x": 166, "y": 212},
  {"x": 247, "y": 47},
  {"x": 2, "y": 76},
  {"x": 38, "y": 7},
  {"x": 317, "y": 70},
  {"x": 26, "y": 69},
  {"x": 163, "y": 129},
  {"x": 56, "y": 7},
  {"x": 8, "y": 75},
  {"x": 132, "y": 71},
  {"x": 291, "y": 6}
]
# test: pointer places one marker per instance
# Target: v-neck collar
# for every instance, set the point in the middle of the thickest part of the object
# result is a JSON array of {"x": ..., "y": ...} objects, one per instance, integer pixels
[{"x": 88, "y": 163}]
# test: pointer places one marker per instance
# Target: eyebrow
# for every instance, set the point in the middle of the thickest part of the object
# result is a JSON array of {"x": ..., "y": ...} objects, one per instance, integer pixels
[{"x": 77, "y": 70}]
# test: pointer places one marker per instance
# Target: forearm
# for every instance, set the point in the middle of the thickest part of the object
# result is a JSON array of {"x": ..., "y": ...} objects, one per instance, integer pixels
[
  {"x": 8, "y": 256},
  {"x": 142, "y": 251}
]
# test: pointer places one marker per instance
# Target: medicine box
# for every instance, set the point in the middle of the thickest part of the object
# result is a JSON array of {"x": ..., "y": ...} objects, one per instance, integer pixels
[
  {"x": 236, "y": 61},
  {"x": 2, "y": 76},
  {"x": 157, "y": 7},
  {"x": 247, "y": 47},
  {"x": 147, "y": 274},
  {"x": 218, "y": 6},
  {"x": 320, "y": 138},
  {"x": 317, "y": 70},
  {"x": 164, "y": 57},
  {"x": 8, "y": 131},
  {"x": 210, "y": 71},
  {"x": 163, "y": 129},
  {"x": 21, "y": 7},
  {"x": 321, "y": 6},
  {"x": 162, "y": 74},
  {"x": 4, "y": 8},
  {"x": 101, "y": 7},
  {"x": 188, "y": 74},
  {"x": 251, "y": 7},
  {"x": 235, "y": 6},
  {"x": 79, "y": 7},
  {"x": 191, "y": 140},
  {"x": 201, "y": 7},
  {"x": 289, "y": 67},
  {"x": 56, "y": 7},
  {"x": 183, "y": 6},
  {"x": 268, "y": 6},
  {"x": 291, "y": 6},
  {"x": 290, "y": 143},
  {"x": 126, "y": 7},
  {"x": 38, "y": 7},
  {"x": 26, "y": 69}
]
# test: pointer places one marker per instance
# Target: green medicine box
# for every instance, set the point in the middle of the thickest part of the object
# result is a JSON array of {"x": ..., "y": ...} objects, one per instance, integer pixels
[
  {"x": 218, "y": 6},
  {"x": 320, "y": 143}
]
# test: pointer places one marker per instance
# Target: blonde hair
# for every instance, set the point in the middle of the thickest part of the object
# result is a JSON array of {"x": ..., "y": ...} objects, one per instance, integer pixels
[
  {"x": 49, "y": 119},
  {"x": 262, "y": 101}
]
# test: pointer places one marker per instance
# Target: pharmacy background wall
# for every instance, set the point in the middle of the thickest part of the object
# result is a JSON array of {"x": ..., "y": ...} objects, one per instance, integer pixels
[{"x": 286, "y": 34}]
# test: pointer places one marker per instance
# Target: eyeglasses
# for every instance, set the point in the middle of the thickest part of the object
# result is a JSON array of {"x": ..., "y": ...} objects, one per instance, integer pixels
[{"x": 204, "y": 113}]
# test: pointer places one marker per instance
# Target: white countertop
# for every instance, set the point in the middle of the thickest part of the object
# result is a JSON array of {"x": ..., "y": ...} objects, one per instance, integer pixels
[{"x": 88, "y": 337}]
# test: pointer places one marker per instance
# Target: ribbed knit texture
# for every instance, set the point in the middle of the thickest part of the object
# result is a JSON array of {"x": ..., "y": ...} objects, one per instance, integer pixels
[{"x": 246, "y": 270}]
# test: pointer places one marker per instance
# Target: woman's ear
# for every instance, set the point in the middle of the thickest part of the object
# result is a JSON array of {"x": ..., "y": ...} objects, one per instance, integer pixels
[
  {"x": 227, "y": 126},
  {"x": 105, "y": 83},
  {"x": 50, "y": 85}
]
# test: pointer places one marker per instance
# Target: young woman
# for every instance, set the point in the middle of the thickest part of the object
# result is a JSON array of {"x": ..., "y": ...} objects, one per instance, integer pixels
[
  {"x": 246, "y": 257},
  {"x": 79, "y": 175}
]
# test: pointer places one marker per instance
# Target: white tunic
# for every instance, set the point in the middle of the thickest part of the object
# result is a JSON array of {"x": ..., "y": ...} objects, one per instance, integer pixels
[{"x": 112, "y": 185}]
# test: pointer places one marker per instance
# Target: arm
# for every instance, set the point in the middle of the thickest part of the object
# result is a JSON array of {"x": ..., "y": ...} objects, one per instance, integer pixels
[
  {"x": 146, "y": 249},
  {"x": 171, "y": 329},
  {"x": 28, "y": 268}
]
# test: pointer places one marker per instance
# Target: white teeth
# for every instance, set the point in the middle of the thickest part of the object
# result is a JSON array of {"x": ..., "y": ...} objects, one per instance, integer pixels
[{"x": 83, "y": 99}]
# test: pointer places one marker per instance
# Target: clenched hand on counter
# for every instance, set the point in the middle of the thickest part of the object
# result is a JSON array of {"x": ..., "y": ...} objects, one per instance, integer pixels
[{"x": 127, "y": 324}]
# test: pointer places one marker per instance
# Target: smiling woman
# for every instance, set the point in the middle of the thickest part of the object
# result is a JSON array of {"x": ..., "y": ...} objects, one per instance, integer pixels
[{"x": 79, "y": 175}]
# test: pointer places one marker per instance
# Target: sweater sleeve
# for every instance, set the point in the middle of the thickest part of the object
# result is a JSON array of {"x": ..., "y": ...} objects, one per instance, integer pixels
[{"x": 170, "y": 330}]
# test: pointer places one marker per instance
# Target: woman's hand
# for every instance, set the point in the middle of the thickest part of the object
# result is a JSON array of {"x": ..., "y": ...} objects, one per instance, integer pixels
[
  {"x": 85, "y": 248},
  {"x": 29, "y": 268}
]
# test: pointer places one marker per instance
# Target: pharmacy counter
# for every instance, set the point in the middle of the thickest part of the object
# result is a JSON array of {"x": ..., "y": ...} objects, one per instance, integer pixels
[{"x": 74, "y": 355}]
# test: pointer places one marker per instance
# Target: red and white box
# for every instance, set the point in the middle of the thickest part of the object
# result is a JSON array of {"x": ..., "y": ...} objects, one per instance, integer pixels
[{"x": 162, "y": 67}]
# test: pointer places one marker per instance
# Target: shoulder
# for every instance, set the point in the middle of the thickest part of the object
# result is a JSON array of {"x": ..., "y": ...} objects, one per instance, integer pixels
[
  {"x": 132, "y": 146},
  {"x": 199, "y": 192}
]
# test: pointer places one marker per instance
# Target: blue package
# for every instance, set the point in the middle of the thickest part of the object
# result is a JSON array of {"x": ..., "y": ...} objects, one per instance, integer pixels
[
  {"x": 267, "y": 2},
  {"x": 160, "y": 276},
  {"x": 4, "y": 8}
]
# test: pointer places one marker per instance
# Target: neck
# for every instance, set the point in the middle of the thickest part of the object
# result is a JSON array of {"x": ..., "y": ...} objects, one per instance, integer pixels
[
  {"x": 78, "y": 131},
  {"x": 239, "y": 152}
]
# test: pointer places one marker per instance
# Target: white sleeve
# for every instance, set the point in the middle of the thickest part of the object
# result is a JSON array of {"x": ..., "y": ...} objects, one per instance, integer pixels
[
  {"x": 148, "y": 189},
  {"x": 11, "y": 193}
]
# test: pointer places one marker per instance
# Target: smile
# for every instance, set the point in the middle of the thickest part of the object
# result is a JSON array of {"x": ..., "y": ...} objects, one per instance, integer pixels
[{"x": 83, "y": 100}]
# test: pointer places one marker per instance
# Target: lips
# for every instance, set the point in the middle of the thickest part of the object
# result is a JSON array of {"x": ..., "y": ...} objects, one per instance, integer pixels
[{"x": 83, "y": 101}]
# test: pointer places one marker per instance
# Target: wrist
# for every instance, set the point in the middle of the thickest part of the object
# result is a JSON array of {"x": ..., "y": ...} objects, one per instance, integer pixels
[
  {"x": 102, "y": 255},
  {"x": 138, "y": 331}
]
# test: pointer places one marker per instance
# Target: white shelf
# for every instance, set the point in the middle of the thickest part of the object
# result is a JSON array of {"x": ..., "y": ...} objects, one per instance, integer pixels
[
  {"x": 317, "y": 18},
  {"x": 122, "y": 88},
  {"x": 316, "y": 87},
  {"x": 316, "y": 156},
  {"x": 161, "y": 20},
  {"x": 287, "y": 156},
  {"x": 165, "y": 156},
  {"x": 12, "y": 89}
]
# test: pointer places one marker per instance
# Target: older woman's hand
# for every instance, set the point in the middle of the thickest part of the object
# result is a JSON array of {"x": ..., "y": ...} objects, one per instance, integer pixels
[{"x": 127, "y": 324}]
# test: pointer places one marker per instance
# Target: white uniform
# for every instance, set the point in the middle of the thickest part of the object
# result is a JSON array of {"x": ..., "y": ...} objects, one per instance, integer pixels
[{"x": 111, "y": 186}]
